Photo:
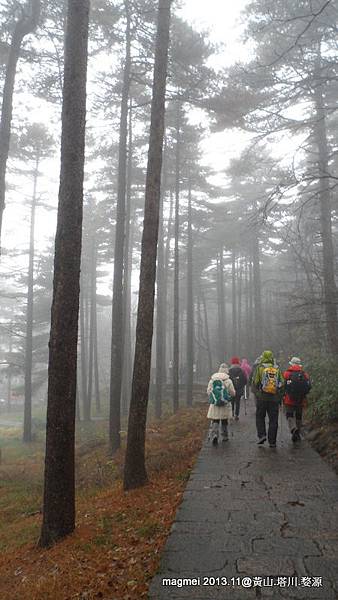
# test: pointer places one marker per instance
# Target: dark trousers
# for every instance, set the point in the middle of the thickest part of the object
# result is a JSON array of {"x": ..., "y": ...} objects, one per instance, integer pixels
[
  {"x": 294, "y": 416},
  {"x": 236, "y": 403},
  {"x": 223, "y": 421},
  {"x": 270, "y": 408},
  {"x": 215, "y": 428}
]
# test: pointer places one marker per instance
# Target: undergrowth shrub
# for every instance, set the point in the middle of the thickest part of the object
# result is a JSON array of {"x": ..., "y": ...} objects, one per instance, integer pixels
[{"x": 323, "y": 398}]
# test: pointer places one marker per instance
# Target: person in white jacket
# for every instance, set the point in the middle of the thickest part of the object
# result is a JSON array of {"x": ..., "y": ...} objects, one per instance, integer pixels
[{"x": 220, "y": 414}]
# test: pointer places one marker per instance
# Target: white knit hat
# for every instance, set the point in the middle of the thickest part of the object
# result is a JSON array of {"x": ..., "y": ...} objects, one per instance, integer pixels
[{"x": 295, "y": 361}]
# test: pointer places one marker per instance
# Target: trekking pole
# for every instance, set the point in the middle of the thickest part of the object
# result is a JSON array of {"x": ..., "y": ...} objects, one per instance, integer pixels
[{"x": 245, "y": 398}]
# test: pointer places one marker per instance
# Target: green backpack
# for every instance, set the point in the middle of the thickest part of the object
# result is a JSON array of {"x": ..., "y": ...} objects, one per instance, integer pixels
[{"x": 219, "y": 395}]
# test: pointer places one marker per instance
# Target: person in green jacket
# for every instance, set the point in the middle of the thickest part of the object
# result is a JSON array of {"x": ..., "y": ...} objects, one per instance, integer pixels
[{"x": 268, "y": 383}]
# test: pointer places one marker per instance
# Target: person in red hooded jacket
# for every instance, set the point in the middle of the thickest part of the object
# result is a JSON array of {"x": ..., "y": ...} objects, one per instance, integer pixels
[{"x": 297, "y": 386}]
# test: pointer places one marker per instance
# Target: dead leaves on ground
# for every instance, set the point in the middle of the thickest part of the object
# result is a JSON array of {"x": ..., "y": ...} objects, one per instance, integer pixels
[{"x": 116, "y": 548}]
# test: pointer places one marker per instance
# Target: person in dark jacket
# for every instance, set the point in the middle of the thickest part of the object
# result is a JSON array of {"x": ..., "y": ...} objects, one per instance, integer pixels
[
  {"x": 268, "y": 382},
  {"x": 252, "y": 377},
  {"x": 297, "y": 386},
  {"x": 239, "y": 379}
]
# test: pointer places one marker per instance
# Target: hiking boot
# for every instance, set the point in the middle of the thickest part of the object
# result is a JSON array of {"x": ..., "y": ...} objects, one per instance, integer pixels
[
  {"x": 272, "y": 445},
  {"x": 236, "y": 418},
  {"x": 295, "y": 435},
  {"x": 225, "y": 437},
  {"x": 214, "y": 433},
  {"x": 261, "y": 441}
]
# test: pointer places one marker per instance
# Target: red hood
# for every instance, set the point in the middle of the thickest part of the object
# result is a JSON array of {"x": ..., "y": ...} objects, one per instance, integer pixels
[{"x": 294, "y": 368}]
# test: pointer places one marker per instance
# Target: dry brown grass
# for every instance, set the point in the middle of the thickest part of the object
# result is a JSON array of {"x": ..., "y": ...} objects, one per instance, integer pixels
[{"x": 115, "y": 550}]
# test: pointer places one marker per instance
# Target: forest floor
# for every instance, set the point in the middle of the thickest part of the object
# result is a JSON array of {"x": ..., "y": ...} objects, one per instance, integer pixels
[
  {"x": 324, "y": 439},
  {"x": 116, "y": 547}
]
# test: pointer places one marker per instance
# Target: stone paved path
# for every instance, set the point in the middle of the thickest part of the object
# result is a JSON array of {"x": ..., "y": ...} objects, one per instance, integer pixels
[{"x": 252, "y": 511}]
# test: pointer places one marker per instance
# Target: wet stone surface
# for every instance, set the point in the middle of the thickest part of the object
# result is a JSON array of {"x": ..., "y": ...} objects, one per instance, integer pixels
[{"x": 252, "y": 513}]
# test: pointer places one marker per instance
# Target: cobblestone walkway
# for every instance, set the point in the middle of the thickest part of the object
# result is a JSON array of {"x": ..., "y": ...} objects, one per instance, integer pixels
[{"x": 254, "y": 512}]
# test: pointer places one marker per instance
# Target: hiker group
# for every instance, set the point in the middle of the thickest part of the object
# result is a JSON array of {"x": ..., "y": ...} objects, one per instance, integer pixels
[{"x": 270, "y": 387}]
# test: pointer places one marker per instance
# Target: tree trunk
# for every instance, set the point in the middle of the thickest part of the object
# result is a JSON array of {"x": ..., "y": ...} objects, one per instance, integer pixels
[
  {"x": 77, "y": 405},
  {"x": 221, "y": 308},
  {"x": 27, "y": 421},
  {"x": 117, "y": 308},
  {"x": 251, "y": 324},
  {"x": 220, "y": 331},
  {"x": 59, "y": 483},
  {"x": 96, "y": 362},
  {"x": 128, "y": 358},
  {"x": 166, "y": 284},
  {"x": 135, "y": 473},
  {"x": 24, "y": 26},
  {"x": 330, "y": 290},
  {"x": 92, "y": 312},
  {"x": 200, "y": 362},
  {"x": 312, "y": 308},
  {"x": 85, "y": 404},
  {"x": 234, "y": 305},
  {"x": 86, "y": 298},
  {"x": 190, "y": 307},
  {"x": 176, "y": 339},
  {"x": 207, "y": 336},
  {"x": 9, "y": 375},
  {"x": 160, "y": 305},
  {"x": 258, "y": 314},
  {"x": 247, "y": 322},
  {"x": 93, "y": 305},
  {"x": 239, "y": 309},
  {"x": 128, "y": 266},
  {"x": 222, "y": 290}
]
